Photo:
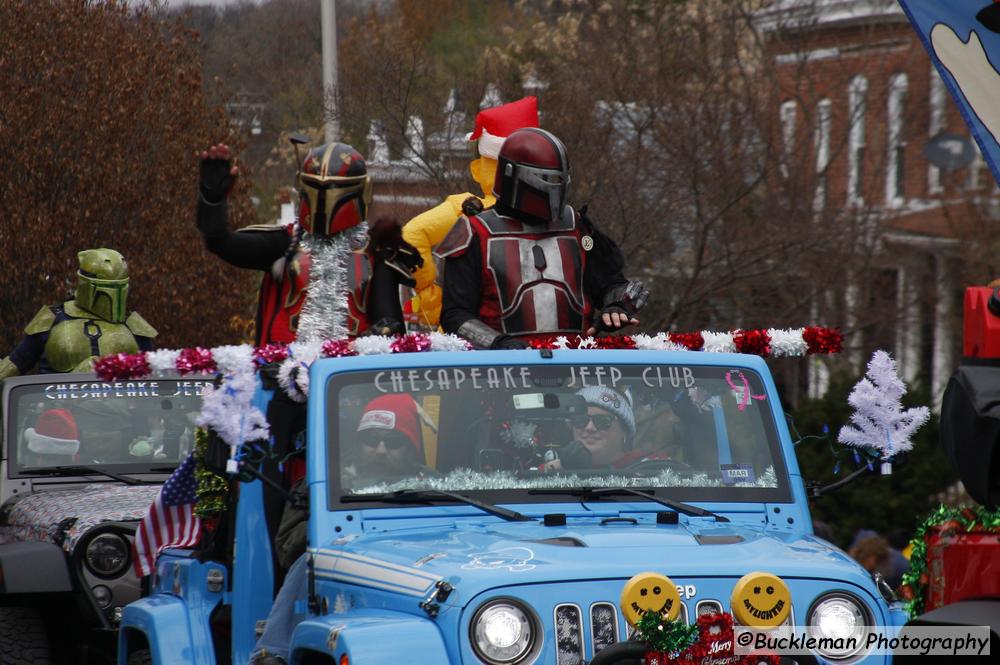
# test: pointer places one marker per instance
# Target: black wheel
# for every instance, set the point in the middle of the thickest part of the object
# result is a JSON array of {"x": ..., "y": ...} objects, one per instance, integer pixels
[
  {"x": 22, "y": 637},
  {"x": 140, "y": 657}
]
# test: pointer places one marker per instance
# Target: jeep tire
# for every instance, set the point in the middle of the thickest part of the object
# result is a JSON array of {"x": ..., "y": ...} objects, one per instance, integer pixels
[{"x": 22, "y": 637}]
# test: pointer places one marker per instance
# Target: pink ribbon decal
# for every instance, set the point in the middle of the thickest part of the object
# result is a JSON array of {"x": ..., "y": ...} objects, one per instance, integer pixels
[{"x": 745, "y": 389}]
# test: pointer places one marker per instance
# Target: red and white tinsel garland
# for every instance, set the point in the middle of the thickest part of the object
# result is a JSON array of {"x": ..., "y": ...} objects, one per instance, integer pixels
[{"x": 769, "y": 343}]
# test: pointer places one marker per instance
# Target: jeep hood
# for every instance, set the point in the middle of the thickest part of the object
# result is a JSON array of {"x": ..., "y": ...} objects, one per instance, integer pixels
[
  {"x": 63, "y": 516},
  {"x": 476, "y": 557}
]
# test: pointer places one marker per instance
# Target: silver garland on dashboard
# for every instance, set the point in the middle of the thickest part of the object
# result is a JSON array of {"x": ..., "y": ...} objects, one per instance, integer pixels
[
  {"x": 325, "y": 311},
  {"x": 467, "y": 479}
]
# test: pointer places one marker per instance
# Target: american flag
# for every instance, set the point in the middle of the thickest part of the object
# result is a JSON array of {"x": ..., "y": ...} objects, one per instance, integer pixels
[{"x": 170, "y": 522}]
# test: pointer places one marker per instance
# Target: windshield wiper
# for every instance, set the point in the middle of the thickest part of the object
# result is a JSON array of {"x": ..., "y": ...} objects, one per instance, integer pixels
[
  {"x": 80, "y": 470},
  {"x": 430, "y": 496},
  {"x": 586, "y": 493}
]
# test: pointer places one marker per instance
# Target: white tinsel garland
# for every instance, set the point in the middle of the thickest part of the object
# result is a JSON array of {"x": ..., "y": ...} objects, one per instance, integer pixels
[
  {"x": 467, "y": 479},
  {"x": 325, "y": 312},
  {"x": 232, "y": 359},
  {"x": 293, "y": 374},
  {"x": 448, "y": 342},
  {"x": 163, "y": 360},
  {"x": 372, "y": 345},
  {"x": 719, "y": 342},
  {"x": 785, "y": 342},
  {"x": 659, "y": 342}
]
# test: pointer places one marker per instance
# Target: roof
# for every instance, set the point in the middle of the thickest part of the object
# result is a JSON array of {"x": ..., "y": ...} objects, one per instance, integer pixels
[{"x": 814, "y": 14}]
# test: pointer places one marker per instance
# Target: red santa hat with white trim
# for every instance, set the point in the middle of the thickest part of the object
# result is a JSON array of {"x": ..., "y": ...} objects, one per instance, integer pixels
[
  {"x": 495, "y": 124},
  {"x": 54, "y": 433}
]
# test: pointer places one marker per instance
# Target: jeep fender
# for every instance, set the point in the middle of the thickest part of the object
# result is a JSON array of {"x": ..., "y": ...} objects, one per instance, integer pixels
[
  {"x": 173, "y": 638},
  {"x": 33, "y": 567},
  {"x": 372, "y": 637}
]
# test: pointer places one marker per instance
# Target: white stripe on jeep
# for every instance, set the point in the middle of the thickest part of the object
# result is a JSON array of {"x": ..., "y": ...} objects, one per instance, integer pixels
[{"x": 364, "y": 570}]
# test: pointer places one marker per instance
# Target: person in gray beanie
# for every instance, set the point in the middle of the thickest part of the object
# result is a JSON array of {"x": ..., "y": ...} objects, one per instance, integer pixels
[{"x": 603, "y": 437}]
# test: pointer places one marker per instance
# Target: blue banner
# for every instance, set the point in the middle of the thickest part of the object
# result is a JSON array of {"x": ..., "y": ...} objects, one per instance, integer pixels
[{"x": 963, "y": 40}]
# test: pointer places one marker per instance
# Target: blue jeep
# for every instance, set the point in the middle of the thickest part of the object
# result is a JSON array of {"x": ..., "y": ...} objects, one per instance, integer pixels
[{"x": 536, "y": 485}]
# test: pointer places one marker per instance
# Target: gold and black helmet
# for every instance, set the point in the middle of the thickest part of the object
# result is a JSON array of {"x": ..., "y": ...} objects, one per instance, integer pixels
[{"x": 335, "y": 189}]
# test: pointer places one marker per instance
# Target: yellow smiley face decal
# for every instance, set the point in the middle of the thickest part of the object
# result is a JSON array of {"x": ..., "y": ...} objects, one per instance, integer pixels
[
  {"x": 650, "y": 592},
  {"x": 761, "y": 600}
]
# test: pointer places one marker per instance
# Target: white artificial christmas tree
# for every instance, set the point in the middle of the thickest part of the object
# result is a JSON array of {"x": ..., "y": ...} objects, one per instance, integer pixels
[{"x": 879, "y": 422}]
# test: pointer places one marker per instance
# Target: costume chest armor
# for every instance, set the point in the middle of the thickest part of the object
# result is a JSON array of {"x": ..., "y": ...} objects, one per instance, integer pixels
[
  {"x": 75, "y": 341},
  {"x": 533, "y": 276}
]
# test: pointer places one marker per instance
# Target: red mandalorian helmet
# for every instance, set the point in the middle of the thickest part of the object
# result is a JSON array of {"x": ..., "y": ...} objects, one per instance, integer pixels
[
  {"x": 335, "y": 189},
  {"x": 532, "y": 175}
]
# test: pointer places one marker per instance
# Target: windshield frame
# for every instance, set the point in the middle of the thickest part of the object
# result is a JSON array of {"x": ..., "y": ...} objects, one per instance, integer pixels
[
  {"x": 13, "y": 469},
  {"x": 343, "y": 372}
]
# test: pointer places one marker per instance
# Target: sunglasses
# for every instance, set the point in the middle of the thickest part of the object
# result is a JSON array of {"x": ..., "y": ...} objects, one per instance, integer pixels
[
  {"x": 602, "y": 422},
  {"x": 392, "y": 440}
]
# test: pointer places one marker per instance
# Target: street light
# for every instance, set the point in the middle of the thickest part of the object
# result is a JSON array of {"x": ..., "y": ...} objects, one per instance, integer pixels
[{"x": 328, "y": 19}]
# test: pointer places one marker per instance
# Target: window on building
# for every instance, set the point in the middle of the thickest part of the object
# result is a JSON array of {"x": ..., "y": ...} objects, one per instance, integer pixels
[
  {"x": 821, "y": 142},
  {"x": 857, "y": 93},
  {"x": 976, "y": 168},
  {"x": 935, "y": 125},
  {"x": 896, "y": 162},
  {"x": 787, "y": 117}
]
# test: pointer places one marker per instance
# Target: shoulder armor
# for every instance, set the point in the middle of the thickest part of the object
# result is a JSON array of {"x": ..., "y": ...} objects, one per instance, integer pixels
[
  {"x": 138, "y": 326},
  {"x": 264, "y": 228},
  {"x": 457, "y": 240},
  {"x": 43, "y": 321}
]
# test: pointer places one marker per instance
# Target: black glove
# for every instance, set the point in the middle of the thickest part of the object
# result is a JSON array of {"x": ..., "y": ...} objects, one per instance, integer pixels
[
  {"x": 626, "y": 301},
  {"x": 472, "y": 206},
  {"x": 216, "y": 180},
  {"x": 508, "y": 343},
  {"x": 386, "y": 241},
  {"x": 385, "y": 326}
]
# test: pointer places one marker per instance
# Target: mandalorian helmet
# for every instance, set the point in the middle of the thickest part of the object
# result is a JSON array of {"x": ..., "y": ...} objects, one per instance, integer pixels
[
  {"x": 102, "y": 286},
  {"x": 335, "y": 189},
  {"x": 532, "y": 175}
]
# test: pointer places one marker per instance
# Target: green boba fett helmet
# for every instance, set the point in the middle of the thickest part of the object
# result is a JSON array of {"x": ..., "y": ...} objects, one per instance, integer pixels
[{"x": 102, "y": 286}]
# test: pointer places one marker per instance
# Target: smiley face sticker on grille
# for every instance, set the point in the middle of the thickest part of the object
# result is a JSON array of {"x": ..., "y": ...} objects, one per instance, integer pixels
[
  {"x": 650, "y": 592},
  {"x": 761, "y": 600}
]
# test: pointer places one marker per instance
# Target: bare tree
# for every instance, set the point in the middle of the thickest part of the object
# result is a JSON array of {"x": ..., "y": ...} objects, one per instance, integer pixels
[{"x": 101, "y": 116}]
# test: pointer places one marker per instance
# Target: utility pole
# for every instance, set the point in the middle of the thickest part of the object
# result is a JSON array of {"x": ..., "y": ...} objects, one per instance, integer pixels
[{"x": 329, "y": 20}]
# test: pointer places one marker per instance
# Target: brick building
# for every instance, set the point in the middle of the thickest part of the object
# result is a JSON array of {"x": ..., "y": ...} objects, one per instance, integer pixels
[{"x": 858, "y": 100}]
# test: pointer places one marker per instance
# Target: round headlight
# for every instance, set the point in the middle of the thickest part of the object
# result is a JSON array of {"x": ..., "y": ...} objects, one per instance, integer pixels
[
  {"x": 502, "y": 632},
  {"x": 107, "y": 555},
  {"x": 841, "y": 622}
]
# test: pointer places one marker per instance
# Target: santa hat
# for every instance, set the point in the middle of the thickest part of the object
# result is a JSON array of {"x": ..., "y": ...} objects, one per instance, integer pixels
[
  {"x": 54, "y": 433},
  {"x": 613, "y": 401},
  {"x": 393, "y": 412},
  {"x": 495, "y": 124}
]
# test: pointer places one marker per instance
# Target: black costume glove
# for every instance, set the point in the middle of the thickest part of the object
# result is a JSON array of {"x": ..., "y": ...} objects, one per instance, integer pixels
[
  {"x": 216, "y": 180},
  {"x": 472, "y": 206},
  {"x": 386, "y": 326},
  {"x": 386, "y": 238},
  {"x": 508, "y": 343},
  {"x": 624, "y": 300}
]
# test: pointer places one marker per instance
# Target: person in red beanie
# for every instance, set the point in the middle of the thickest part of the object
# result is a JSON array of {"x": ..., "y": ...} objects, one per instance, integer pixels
[
  {"x": 391, "y": 442},
  {"x": 53, "y": 440}
]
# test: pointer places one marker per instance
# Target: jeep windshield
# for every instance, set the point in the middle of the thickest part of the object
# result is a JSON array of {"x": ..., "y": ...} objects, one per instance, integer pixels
[
  {"x": 683, "y": 432},
  {"x": 61, "y": 427}
]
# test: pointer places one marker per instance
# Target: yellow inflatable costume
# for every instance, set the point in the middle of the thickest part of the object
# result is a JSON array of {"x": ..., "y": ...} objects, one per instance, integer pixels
[{"x": 429, "y": 228}]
